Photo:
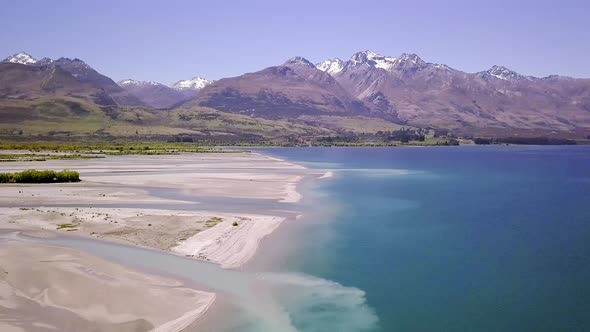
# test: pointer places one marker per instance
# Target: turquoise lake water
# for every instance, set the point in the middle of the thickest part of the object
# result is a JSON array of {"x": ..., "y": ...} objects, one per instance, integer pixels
[{"x": 486, "y": 238}]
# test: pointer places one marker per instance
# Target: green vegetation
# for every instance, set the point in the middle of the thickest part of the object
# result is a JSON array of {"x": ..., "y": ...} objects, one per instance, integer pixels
[
  {"x": 235, "y": 223},
  {"x": 405, "y": 136},
  {"x": 213, "y": 221},
  {"x": 62, "y": 226},
  {"x": 118, "y": 130},
  {"x": 34, "y": 176},
  {"x": 355, "y": 124},
  {"x": 70, "y": 122},
  {"x": 66, "y": 150},
  {"x": 66, "y": 118},
  {"x": 43, "y": 157},
  {"x": 524, "y": 141}
]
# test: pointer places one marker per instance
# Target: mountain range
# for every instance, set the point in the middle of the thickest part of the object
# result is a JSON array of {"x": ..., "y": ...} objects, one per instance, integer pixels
[
  {"x": 407, "y": 90},
  {"x": 365, "y": 93},
  {"x": 495, "y": 101}
]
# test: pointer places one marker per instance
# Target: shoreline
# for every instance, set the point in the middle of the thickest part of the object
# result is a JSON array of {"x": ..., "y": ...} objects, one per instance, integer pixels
[
  {"x": 277, "y": 247},
  {"x": 213, "y": 238}
]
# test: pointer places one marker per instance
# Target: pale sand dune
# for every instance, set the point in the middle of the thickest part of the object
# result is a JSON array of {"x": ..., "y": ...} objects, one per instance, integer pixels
[
  {"x": 327, "y": 175},
  {"x": 83, "y": 193},
  {"x": 45, "y": 288},
  {"x": 221, "y": 184},
  {"x": 143, "y": 163},
  {"x": 229, "y": 244}
]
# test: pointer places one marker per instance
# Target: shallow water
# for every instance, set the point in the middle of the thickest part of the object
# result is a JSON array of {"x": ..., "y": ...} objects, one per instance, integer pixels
[
  {"x": 188, "y": 201},
  {"x": 262, "y": 301}
]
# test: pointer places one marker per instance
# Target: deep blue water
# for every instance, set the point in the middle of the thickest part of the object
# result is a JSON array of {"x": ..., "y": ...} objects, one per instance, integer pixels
[{"x": 453, "y": 238}]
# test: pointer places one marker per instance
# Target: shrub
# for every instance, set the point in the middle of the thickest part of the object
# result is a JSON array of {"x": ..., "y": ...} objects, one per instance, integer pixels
[
  {"x": 5, "y": 178},
  {"x": 62, "y": 226},
  {"x": 68, "y": 176},
  {"x": 482, "y": 141},
  {"x": 35, "y": 176}
]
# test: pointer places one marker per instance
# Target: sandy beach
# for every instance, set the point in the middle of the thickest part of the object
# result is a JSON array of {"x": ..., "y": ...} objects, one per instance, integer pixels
[{"x": 104, "y": 206}]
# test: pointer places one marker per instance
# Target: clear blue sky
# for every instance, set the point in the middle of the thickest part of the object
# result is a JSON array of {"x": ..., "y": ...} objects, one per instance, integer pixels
[{"x": 170, "y": 40}]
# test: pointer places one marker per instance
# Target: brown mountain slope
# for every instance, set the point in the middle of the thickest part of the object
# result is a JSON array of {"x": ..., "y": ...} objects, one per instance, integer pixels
[
  {"x": 287, "y": 91},
  {"x": 82, "y": 73},
  {"x": 23, "y": 82},
  {"x": 46, "y": 101},
  {"x": 86, "y": 74}
]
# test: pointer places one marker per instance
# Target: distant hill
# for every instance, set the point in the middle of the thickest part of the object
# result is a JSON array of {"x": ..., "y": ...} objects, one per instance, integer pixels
[
  {"x": 158, "y": 95},
  {"x": 153, "y": 94},
  {"x": 81, "y": 74},
  {"x": 23, "y": 82}
]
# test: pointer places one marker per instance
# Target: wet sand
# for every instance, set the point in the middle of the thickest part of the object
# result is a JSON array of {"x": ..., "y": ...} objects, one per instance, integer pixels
[{"x": 45, "y": 288}]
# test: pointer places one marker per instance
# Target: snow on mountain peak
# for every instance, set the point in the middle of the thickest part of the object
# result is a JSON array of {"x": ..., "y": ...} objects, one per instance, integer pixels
[
  {"x": 331, "y": 67},
  {"x": 368, "y": 54},
  {"x": 136, "y": 82},
  {"x": 195, "y": 83},
  {"x": 299, "y": 60},
  {"x": 413, "y": 58},
  {"x": 442, "y": 67},
  {"x": 503, "y": 73},
  {"x": 375, "y": 60},
  {"x": 22, "y": 58},
  {"x": 406, "y": 62},
  {"x": 365, "y": 57}
]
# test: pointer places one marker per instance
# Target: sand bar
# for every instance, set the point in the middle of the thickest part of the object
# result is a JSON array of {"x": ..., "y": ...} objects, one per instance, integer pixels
[{"x": 226, "y": 238}]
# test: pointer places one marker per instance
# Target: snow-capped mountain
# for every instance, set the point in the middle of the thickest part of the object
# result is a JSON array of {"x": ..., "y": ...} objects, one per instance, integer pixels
[
  {"x": 195, "y": 83},
  {"x": 503, "y": 73},
  {"x": 154, "y": 94},
  {"x": 299, "y": 60},
  {"x": 22, "y": 58},
  {"x": 413, "y": 91},
  {"x": 331, "y": 66},
  {"x": 371, "y": 59},
  {"x": 408, "y": 63},
  {"x": 136, "y": 82}
]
